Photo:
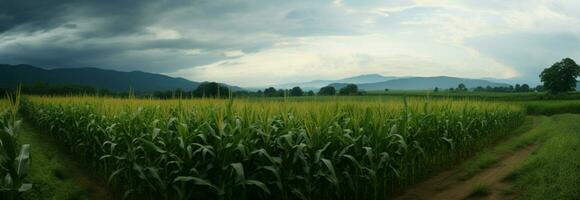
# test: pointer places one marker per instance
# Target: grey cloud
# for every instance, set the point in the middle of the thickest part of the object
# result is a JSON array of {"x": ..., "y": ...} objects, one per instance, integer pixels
[
  {"x": 115, "y": 34},
  {"x": 37, "y": 15}
]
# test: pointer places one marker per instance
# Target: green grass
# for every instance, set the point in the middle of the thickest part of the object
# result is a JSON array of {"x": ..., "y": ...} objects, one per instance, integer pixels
[
  {"x": 50, "y": 171},
  {"x": 553, "y": 172},
  {"x": 496, "y": 96},
  {"x": 552, "y": 107}
]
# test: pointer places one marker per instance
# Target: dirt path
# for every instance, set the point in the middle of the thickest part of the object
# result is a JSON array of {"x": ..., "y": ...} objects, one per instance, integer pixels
[{"x": 449, "y": 186}]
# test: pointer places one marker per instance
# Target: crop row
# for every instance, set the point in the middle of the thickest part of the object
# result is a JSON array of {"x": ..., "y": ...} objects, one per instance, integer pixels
[
  {"x": 243, "y": 149},
  {"x": 14, "y": 157}
]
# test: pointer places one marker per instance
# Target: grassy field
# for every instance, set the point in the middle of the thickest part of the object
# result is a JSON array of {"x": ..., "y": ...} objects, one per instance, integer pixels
[
  {"x": 551, "y": 107},
  {"x": 286, "y": 149},
  {"x": 553, "y": 171},
  {"x": 493, "y": 96}
]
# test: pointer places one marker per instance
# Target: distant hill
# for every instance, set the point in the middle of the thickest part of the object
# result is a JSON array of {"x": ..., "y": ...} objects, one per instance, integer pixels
[
  {"x": 366, "y": 78},
  {"x": 11, "y": 75},
  {"x": 423, "y": 83},
  {"x": 317, "y": 84}
]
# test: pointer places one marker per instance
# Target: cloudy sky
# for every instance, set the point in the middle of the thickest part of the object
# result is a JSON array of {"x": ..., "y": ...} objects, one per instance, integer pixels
[{"x": 261, "y": 42}]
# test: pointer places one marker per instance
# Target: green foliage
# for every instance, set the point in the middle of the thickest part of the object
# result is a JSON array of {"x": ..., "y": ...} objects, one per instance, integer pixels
[
  {"x": 552, "y": 107},
  {"x": 269, "y": 150},
  {"x": 461, "y": 88},
  {"x": 211, "y": 89},
  {"x": 52, "y": 173},
  {"x": 296, "y": 91},
  {"x": 561, "y": 76},
  {"x": 270, "y": 92},
  {"x": 350, "y": 89},
  {"x": 553, "y": 171},
  {"x": 327, "y": 91},
  {"x": 14, "y": 159}
]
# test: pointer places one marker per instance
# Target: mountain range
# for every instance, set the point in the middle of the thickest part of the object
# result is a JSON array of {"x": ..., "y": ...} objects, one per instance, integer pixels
[
  {"x": 424, "y": 83},
  {"x": 12, "y": 75},
  {"x": 375, "y": 82},
  {"x": 317, "y": 84}
]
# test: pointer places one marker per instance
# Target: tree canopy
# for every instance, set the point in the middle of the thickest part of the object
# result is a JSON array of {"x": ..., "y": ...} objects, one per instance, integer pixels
[
  {"x": 296, "y": 91},
  {"x": 461, "y": 87},
  {"x": 561, "y": 76},
  {"x": 327, "y": 90},
  {"x": 350, "y": 89},
  {"x": 211, "y": 89}
]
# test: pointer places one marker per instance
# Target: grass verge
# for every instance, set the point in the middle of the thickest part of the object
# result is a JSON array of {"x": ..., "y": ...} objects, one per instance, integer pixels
[
  {"x": 553, "y": 172},
  {"x": 50, "y": 171}
]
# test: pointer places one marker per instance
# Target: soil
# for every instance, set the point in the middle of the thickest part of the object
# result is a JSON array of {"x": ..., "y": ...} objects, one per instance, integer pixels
[{"x": 449, "y": 186}]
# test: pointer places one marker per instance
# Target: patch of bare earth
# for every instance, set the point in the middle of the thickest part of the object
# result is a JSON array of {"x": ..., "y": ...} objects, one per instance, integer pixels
[{"x": 449, "y": 186}]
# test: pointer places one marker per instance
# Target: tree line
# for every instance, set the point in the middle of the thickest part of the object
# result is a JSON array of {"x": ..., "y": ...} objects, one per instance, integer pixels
[
  {"x": 206, "y": 89},
  {"x": 517, "y": 88},
  {"x": 349, "y": 89}
]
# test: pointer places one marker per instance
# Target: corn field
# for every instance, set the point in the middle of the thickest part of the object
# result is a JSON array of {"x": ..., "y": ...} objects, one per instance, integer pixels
[
  {"x": 14, "y": 159},
  {"x": 269, "y": 149}
]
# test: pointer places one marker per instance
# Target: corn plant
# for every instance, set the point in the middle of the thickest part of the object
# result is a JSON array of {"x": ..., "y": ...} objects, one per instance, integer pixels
[
  {"x": 268, "y": 149},
  {"x": 14, "y": 159}
]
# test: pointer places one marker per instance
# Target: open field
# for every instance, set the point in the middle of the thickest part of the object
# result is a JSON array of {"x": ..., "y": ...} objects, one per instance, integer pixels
[
  {"x": 551, "y": 107},
  {"x": 269, "y": 149},
  {"x": 553, "y": 171},
  {"x": 494, "y": 96}
]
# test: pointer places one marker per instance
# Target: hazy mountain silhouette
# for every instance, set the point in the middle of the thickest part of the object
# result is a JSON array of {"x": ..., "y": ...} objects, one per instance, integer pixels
[
  {"x": 317, "y": 84},
  {"x": 423, "y": 83},
  {"x": 11, "y": 75}
]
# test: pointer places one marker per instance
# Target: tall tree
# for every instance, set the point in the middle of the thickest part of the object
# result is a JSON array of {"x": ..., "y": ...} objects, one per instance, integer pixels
[
  {"x": 350, "y": 89},
  {"x": 327, "y": 90},
  {"x": 296, "y": 91},
  {"x": 269, "y": 92},
  {"x": 561, "y": 76},
  {"x": 461, "y": 87},
  {"x": 211, "y": 89},
  {"x": 525, "y": 88}
]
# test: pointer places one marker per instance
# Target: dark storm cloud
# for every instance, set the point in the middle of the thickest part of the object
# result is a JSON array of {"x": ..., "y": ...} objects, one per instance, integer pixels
[
  {"x": 112, "y": 16},
  {"x": 99, "y": 34},
  {"x": 156, "y": 55},
  {"x": 36, "y": 15},
  {"x": 155, "y": 35}
]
